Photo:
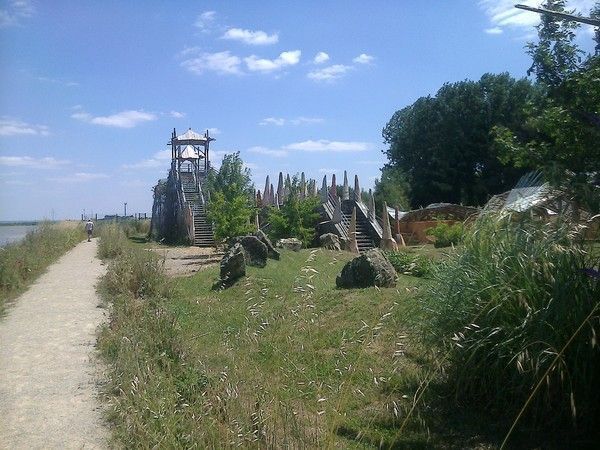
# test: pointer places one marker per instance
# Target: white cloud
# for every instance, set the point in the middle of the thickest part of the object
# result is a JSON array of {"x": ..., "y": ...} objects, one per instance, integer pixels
[
  {"x": 57, "y": 81},
  {"x": 320, "y": 58},
  {"x": 123, "y": 119},
  {"x": 251, "y": 166},
  {"x": 220, "y": 62},
  {"x": 249, "y": 37},
  {"x": 159, "y": 159},
  {"x": 280, "y": 121},
  {"x": 205, "y": 21},
  {"x": 306, "y": 120},
  {"x": 329, "y": 73},
  {"x": 363, "y": 58},
  {"x": 495, "y": 30},
  {"x": 79, "y": 177},
  {"x": 31, "y": 162},
  {"x": 325, "y": 170},
  {"x": 177, "y": 114},
  {"x": 277, "y": 121},
  {"x": 503, "y": 14},
  {"x": 285, "y": 59},
  {"x": 213, "y": 131},
  {"x": 14, "y": 127},
  {"x": 14, "y": 11},
  {"x": 268, "y": 152},
  {"x": 323, "y": 145}
]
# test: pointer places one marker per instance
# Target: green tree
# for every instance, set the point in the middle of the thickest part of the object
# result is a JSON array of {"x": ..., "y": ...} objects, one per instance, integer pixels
[
  {"x": 392, "y": 188},
  {"x": 563, "y": 136},
  {"x": 231, "y": 198},
  {"x": 555, "y": 55},
  {"x": 443, "y": 146},
  {"x": 296, "y": 217}
]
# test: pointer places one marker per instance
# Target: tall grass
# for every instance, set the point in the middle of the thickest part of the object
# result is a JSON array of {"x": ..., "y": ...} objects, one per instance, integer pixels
[
  {"x": 21, "y": 262},
  {"x": 507, "y": 311},
  {"x": 113, "y": 240}
]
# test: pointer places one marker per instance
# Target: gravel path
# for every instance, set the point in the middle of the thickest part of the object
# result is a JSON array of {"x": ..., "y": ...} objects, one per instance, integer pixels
[{"x": 48, "y": 374}]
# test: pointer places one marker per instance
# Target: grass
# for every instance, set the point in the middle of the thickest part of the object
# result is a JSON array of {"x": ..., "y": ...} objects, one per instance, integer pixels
[
  {"x": 515, "y": 311},
  {"x": 22, "y": 262},
  {"x": 281, "y": 359}
]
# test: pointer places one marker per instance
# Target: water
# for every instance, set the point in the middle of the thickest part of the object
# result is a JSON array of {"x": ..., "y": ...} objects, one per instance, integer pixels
[{"x": 14, "y": 233}]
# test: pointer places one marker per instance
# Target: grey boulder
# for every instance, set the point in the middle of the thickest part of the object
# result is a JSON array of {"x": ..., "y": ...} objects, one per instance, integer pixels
[
  {"x": 290, "y": 244},
  {"x": 272, "y": 253},
  {"x": 330, "y": 241},
  {"x": 233, "y": 267},
  {"x": 369, "y": 269}
]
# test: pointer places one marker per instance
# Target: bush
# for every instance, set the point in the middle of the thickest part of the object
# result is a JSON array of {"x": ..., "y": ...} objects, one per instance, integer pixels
[
  {"x": 446, "y": 235},
  {"x": 230, "y": 218},
  {"x": 504, "y": 306},
  {"x": 134, "y": 227},
  {"x": 112, "y": 240},
  {"x": 135, "y": 272},
  {"x": 409, "y": 264},
  {"x": 295, "y": 218}
]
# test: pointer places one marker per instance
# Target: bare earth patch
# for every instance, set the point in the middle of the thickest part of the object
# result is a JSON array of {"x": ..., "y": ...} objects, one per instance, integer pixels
[{"x": 185, "y": 261}]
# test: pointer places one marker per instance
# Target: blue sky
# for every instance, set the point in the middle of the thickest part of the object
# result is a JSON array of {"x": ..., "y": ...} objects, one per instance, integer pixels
[{"x": 90, "y": 91}]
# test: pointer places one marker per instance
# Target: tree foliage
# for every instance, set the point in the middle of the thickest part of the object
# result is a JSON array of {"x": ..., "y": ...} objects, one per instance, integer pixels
[
  {"x": 392, "y": 188},
  {"x": 231, "y": 190},
  {"x": 443, "y": 145},
  {"x": 296, "y": 217},
  {"x": 562, "y": 128},
  {"x": 555, "y": 55}
]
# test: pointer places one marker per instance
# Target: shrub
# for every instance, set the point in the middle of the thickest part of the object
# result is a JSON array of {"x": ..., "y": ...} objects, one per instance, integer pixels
[
  {"x": 230, "y": 218},
  {"x": 505, "y": 306},
  {"x": 139, "y": 273},
  {"x": 446, "y": 235},
  {"x": 409, "y": 264},
  {"x": 295, "y": 218}
]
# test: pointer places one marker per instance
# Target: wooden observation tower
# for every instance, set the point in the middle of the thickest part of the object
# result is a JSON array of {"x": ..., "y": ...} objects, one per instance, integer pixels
[{"x": 189, "y": 153}]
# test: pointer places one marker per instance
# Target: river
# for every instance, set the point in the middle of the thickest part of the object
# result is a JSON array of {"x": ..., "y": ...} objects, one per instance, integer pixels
[{"x": 13, "y": 233}]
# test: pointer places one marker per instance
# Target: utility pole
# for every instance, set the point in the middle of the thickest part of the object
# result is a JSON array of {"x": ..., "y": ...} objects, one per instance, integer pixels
[
  {"x": 561, "y": 15},
  {"x": 125, "y": 204}
]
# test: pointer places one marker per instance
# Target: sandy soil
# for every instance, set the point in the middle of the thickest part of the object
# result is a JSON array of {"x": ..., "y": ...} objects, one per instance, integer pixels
[
  {"x": 185, "y": 261},
  {"x": 48, "y": 367}
]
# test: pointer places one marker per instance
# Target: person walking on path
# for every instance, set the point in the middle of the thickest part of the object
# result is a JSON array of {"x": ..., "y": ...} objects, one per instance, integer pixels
[
  {"x": 89, "y": 227},
  {"x": 49, "y": 369}
]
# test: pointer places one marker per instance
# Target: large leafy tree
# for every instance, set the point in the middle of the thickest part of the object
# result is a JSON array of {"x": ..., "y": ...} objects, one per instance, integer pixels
[
  {"x": 562, "y": 127},
  {"x": 392, "y": 188},
  {"x": 443, "y": 146},
  {"x": 555, "y": 55}
]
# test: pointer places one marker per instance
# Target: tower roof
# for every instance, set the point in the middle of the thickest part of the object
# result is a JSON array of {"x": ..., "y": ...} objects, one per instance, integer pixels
[
  {"x": 189, "y": 152},
  {"x": 191, "y": 135}
]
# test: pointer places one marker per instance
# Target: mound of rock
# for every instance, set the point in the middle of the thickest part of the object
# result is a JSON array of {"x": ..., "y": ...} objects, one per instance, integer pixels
[
  {"x": 255, "y": 251},
  {"x": 369, "y": 269},
  {"x": 330, "y": 241},
  {"x": 290, "y": 244},
  {"x": 272, "y": 253},
  {"x": 233, "y": 267}
]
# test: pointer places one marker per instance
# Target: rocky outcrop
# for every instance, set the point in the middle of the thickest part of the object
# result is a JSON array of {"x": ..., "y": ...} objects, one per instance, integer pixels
[
  {"x": 290, "y": 244},
  {"x": 271, "y": 251},
  {"x": 255, "y": 251},
  {"x": 233, "y": 267},
  {"x": 330, "y": 241},
  {"x": 370, "y": 269}
]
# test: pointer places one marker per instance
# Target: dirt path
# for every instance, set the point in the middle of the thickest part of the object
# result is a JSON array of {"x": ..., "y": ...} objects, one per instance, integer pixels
[
  {"x": 185, "y": 261},
  {"x": 47, "y": 359}
]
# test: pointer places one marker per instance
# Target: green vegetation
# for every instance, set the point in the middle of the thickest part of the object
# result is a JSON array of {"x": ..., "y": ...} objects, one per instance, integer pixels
[
  {"x": 415, "y": 264},
  {"x": 280, "y": 359},
  {"x": 112, "y": 240},
  {"x": 295, "y": 218},
  {"x": 446, "y": 235},
  {"x": 231, "y": 203},
  {"x": 22, "y": 262},
  {"x": 513, "y": 311}
]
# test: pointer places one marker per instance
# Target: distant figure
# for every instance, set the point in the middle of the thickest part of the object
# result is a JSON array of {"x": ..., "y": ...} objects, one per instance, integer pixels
[{"x": 89, "y": 227}]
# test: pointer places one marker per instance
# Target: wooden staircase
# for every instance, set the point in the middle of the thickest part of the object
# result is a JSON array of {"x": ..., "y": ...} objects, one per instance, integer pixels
[
  {"x": 363, "y": 237},
  {"x": 203, "y": 232}
]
